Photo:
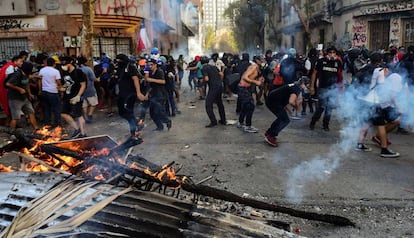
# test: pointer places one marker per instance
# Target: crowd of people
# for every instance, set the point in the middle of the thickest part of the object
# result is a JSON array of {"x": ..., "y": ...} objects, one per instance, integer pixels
[
  {"x": 378, "y": 84},
  {"x": 48, "y": 88}
]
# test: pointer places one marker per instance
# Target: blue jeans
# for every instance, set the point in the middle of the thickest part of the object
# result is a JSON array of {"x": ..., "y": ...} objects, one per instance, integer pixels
[
  {"x": 52, "y": 105},
  {"x": 126, "y": 111},
  {"x": 282, "y": 118},
  {"x": 246, "y": 105},
  {"x": 157, "y": 112}
]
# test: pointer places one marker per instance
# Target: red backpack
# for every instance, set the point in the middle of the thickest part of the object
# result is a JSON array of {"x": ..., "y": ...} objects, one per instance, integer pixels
[{"x": 278, "y": 79}]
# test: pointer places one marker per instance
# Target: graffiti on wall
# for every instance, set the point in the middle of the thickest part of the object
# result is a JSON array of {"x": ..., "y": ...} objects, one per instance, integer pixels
[
  {"x": 389, "y": 7},
  {"x": 394, "y": 31},
  {"x": 33, "y": 23},
  {"x": 117, "y": 7},
  {"x": 359, "y": 30}
]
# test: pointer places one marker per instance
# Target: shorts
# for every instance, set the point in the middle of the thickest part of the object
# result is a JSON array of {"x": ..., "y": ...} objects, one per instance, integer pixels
[
  {"x": 19, "y": 107},
  {"x": 90, "y": 101},
  {"x": 74, "y": 111},
  {"x": 383, "y": 116}
]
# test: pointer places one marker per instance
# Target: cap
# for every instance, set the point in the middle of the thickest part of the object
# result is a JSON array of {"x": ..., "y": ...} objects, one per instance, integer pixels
[
  {"x": 56, "y": 58},
  {"x": 142, "y": 62},
  {"x": 291, "y": 52},
  {"x": 27, "y": 68},
  {"x": 154, "y": 61},
  {"x": 155, "y": 51},
  {"x": 163, "y": 59}
]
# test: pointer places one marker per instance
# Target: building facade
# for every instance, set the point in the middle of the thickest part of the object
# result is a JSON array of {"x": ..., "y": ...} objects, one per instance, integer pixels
[
  {"x": 374, "y": 24},
  {"x": 55, "y": 26}
]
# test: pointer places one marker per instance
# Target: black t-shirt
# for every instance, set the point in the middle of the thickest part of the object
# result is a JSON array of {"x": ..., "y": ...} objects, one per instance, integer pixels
[
  {"x": 72, "y": 81},
  {"x": 158, "y": 90},
  {"x": 328, "y": 71},
  {"x": 19, "y": 80},
  {"x": 280, "y": 96},
  {"x": 126, "y": 84},
  {"x": 214, "y": 80}
]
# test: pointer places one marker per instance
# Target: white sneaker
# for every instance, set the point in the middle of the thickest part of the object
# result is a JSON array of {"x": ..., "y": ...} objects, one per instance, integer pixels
[
  {"x": 250, "y": 129},
  {"x": 240, "y": 125}
]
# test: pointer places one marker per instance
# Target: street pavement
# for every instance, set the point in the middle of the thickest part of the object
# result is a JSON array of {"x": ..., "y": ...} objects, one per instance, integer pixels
[{"x": 307, "y": 165}]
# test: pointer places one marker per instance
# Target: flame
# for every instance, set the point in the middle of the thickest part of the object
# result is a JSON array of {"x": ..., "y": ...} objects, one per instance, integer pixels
[{"x": 5, "y": 168}]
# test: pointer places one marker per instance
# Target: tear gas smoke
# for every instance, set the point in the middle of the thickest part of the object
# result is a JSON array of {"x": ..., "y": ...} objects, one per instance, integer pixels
[{"x": 352, "y": 115}]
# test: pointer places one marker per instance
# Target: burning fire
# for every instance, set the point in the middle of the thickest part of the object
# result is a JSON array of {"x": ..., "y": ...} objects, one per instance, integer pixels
[{"x": 97, "y": 164}]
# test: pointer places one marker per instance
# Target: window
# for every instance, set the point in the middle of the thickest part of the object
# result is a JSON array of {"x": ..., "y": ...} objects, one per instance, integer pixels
[
  {"x": 379, "y": 36},
  {"x": 408, "y": 32}
]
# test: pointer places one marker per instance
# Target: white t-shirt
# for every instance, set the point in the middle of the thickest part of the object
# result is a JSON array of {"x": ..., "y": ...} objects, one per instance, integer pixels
[{"x": 49, "y": 77}]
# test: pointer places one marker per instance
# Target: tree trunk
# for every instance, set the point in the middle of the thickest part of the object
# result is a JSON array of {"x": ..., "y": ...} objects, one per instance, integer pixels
[{"x": 88, "y": 7}]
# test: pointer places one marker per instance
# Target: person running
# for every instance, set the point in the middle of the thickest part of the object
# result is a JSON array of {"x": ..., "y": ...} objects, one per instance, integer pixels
[
  {"x": 74, "y": 86},
  {"x": 157, "y": 95},
  {"x": 129, "y": 91}
]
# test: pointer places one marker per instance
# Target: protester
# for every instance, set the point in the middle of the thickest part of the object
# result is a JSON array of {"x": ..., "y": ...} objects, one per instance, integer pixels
[
  {"x": 276, "y": 101},
  {"x": 157, "y": 96},
  {"x": 329, "y": 72},
  {"x": 215, "y": 89},
  {"x": 19, "y": 95},
  {"x": 90, "y": 97},
  {"x": 249, "y": 78},
  {"x": 74, "y": 86},
  {"x": 129, "y": 91},
  {"x": 50, "y": 84}
]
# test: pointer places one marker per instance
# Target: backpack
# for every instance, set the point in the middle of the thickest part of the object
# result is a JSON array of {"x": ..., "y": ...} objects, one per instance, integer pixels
[
  {"x": 98, "y": 69},
  {"x": 234, "y": 80},
  {"x": 278, "y": 79}
]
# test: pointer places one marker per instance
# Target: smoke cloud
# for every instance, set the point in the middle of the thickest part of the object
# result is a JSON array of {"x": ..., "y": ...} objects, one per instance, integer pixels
[{"x": 352, "y": 115}]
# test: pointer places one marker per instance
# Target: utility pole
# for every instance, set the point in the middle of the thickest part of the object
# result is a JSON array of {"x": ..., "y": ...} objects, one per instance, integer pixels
[{"x": 88, "y": 7}]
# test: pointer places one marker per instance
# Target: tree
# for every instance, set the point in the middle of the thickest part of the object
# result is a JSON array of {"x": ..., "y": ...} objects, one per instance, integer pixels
[
  {"x": 88, "y": 7},
  {"x": 249, "y": 22}
]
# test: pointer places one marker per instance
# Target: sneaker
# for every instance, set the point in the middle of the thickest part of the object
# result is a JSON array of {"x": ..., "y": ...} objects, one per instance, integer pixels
[
  {"x": 250, "y": 129},
  {"x": 377, "y": 140},
  {"x": 76, "y": 134},
  {"x": 240, "y": 125},
  {"x": 295, "y": 117},
  {"x": 326, "y": 128},
  {"x": 303, "y": 113},
  {"x": 271, "y": 140},
  {"x": 88, "y": 119},
  {"x": 312, "y": 125},
  {"x": 109, "y": 114},
  {"x": 362, "y": 147},
  {"x": 82, "y": 136},
  {"x": 402, "y": 131},
  {"x": 223, "y": 122},
  {"x": 387, "y": 153}
]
